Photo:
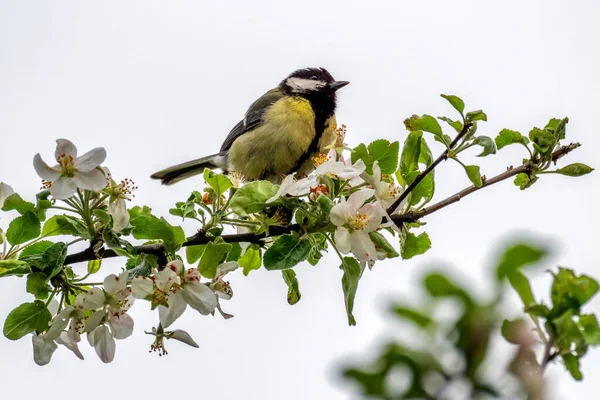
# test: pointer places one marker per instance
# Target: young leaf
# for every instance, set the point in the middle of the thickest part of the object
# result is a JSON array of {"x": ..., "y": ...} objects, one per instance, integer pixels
[
  {"x": 538, "y": 310},
  {"x": 489, "y": 147},
  {"x": 235, "y": 252},
  {"x": 64, "y": 225},
  {"x": 23, "y": 228},
  {"x": 13, "y": 267},
  {"x": 456, "y": 102},
  {"x": 456, "y": 125},
  {"x": 413, "y": 245},
  {"x": 289, "y": 276},
  {"x": 381, "y": 150},
  {"x": 424, "y": 123},
  {"x": 218, "y": 182},
  {"x": 412, "y": 315},
  {"x": 507, "y": 137},
  {"x": 251, "y": 260},
  {"x": 15, "y": 202},
  {"x": 53, "y": 259},
  {"x": 37, "y": 285},
  {"x": 474, "y": 174},
  {"x": 572, "y": 365},
  {"x": 287, "y": 251},
  {"x": 571, "y": 291},
  {"x": 26, "y": 318},
  {"x": 383, "y": 245},
  {"x": 93, "y": 266},
  {"x": 575, "y": 169},
  {"x": 518, "y": 256},
  {"x": 520, "y": 283},
  {"x": 438, "y": 285},
  {"x": 590, "y": 329},
  {"x": 193, "y": 253},
  {"x": 543, "y": 140},
  {"x": 141, "y": 265},
  {"x": 214, "y": 254},
  {"x": 147, "y": 226},
  {"x": 477, "y": 115},
  {"x": 524, "y": 181},
  {"x": 352, "y": 273},
  {"x": 252, "y": 197},
  {"x": 409, "y": 161}
]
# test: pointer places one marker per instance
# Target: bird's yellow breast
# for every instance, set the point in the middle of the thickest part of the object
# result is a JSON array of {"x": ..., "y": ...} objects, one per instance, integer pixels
[{"x": 275, "y": 146}]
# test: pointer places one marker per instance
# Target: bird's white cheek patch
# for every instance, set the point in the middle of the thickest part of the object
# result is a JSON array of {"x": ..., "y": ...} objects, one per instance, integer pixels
[{"x": 305, "y": 85}]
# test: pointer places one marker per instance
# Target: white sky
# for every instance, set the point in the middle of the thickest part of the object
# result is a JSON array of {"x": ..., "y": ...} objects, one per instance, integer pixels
[{"x": 158, "y": 83}]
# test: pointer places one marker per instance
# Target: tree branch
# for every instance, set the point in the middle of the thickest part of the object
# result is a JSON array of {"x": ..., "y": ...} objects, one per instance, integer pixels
[
  {"x": 411, "y": 216},
  {"x": 427, "y": 170}
]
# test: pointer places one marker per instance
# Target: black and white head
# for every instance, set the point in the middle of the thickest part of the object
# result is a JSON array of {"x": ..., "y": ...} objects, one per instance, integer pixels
[{"x": 311, "y": 81}]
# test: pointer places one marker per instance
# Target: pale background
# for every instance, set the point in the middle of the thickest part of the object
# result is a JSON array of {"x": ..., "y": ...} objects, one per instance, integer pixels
[{"x": 158, "y": 83}]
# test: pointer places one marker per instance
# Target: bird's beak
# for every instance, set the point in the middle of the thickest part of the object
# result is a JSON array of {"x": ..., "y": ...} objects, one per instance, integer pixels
[{"x": 338, "y": 85}]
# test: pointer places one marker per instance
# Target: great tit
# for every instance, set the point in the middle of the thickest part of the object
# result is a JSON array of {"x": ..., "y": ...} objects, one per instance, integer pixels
[{"x": 279, "y": 134}]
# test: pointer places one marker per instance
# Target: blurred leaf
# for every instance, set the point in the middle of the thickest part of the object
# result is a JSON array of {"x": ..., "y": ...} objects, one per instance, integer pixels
[
  {"x": 511, "y": 330},
  {"x": 455, "y": 101},
  {"x": 538, "y": 310},
  {"x": 571, "y": 291},
  {"x": 518, "y": 256},
  {"x": 352, "y": 273},
  {"x": 289, "y": 276},
  {"x": 507, "y": 137},
  {"x": 438, "y": 285},
  {"x": 251, "y": 260},
  {"x": 591, "y": 330},
  {"x": 489, "y": 147},
  {"x": 413, "y": 245},
  {"x": 575, "y": 169},
  {"x": 142, "y": 265},
  {"x": 287, "y": 251},
  {"x": 520, "y": 283},
  {"x": 412, "y": 315},
  {"x": 572, "y": 365},
  {"x": 235, "y": 252}
]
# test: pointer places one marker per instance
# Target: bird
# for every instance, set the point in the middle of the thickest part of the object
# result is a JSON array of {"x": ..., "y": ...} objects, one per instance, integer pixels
[{"x": 279, "y": 134}]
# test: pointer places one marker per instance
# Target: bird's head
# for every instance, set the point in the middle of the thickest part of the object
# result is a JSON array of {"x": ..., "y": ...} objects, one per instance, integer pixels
[{"x": 312, "y": 81}]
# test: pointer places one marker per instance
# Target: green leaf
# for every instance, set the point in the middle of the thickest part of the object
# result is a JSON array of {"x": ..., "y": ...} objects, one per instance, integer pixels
[
  {"x": 474, "y": 174},
  {"x": 543, "y": 140},
  {"x": 219, "y": 183},
  {"x": 507, "y": 137},
  {"x": 455, "y": 101},
  {"x": 424, "y": 123},
  {"x": 93, "y": 266},
  {"x": 23, "y": 228},
  {"x": 64, "y": 225},
  {"x": 575, "y": 169},
  {"x": 118, "y": 245},
  {"x": 184, "y": 209},
  {"x": 572, "y": 291},
  {"x": 251, "y": 260},
  {"x": 438, "y": 285},
  {"x": 383, "y": 245},
  {"x": 147, "y": 226},
  {"x": 352, "y": 273},
  {"x": 53, "y": 259},
  {"x": 214, "y": 254},
  {"x": 511, "y": 330},
  {"x": 42, "y": 204},
  {"x": 13, "y": 267},
  {"x": 572, "y": 365},
  {"x": 477, "y": 115},
  {"x": 590, "y": 329},
  {"x": 517, "y": 256},
  {"x": 523, "y": 181},
  {"x": 26, "y": 318},
  {"x": 15, "y": 202},
  {"x": 33, "y": 253},
  {"x": 489, "y": 147},
  {"x": 411, "y": 150},
  {"x": 520, "y": 283},
  {"x": 142, "y": 265},
  {"x": 413, "y": 245},
  {"x": 289, "y": 276},
  {"x": 252, "y": 197},
  {"x": 456, "y": 125},
  {"x": 538, "y": 310},
  {"x": 410, "y": 314},
  {"x": 235, "y": 252},
  {"x": 386, "y": 154},
  {"x": 287, "y": 251},
  {"x": 37, "y": 285},
  {"x": 193, "y": 253}
]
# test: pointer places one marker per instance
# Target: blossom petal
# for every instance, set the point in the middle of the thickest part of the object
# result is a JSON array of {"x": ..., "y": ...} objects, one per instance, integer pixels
[
  {"x": 165, "y": 279},
  {"x": 121, "y": 325},
  {"x": 200, "y": 297},
  {"x": 59, "y": 323},
  {"x": 93, "y": 180},
  {"x": 225, "y": 268},
  {"x": 65, "y": 147},
  {"x": 43, "y": 170},
  {"x": 176, "y": 266},
  {"x": 90, "y": 160},
  {"x": 183, "y": 337},
  {"x": 63, "y": 188},
  {"x": 303, "y": 186},
  {"x": 66, "y": 341},
  {"x": 342, "y": 240},
  {"x": 340, "y": 214},
  {"x": 287, "y": 182},
  {"x": 43, "y": 348},
  {"x": 350, "y": 172},
  {"x": 373, "y": 213},
  {"x": 114, "y": 284},
  {"x": 141, "y": 287},
  {"x": 362, "y": 246},
  {"x": 103, "y": 342},
  {"x": 5, "y": 191},
  {"x": 168, "y": 315},
  {"x": 94, "y": 320},
  {"x": 93, "y": 299},
  {"x": 357, "y": 199},
  {"x": 118, "y": 210}
]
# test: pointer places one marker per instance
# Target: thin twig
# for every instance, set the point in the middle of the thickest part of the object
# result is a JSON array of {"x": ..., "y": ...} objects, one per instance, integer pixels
[
  {"x": 411, "y": 216},
  {"x": 430, "y": 168}
]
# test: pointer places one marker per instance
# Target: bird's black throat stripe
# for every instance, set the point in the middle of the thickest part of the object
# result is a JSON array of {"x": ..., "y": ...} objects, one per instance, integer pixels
[{"x": 323, "y": 105}]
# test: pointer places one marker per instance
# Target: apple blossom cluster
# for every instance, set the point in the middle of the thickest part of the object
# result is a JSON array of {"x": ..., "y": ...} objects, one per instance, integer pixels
[{"x": 364, "y": 203}]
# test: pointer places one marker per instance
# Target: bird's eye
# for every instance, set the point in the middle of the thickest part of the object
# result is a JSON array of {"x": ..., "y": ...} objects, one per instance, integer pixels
[{"x": 314, "y": 77}]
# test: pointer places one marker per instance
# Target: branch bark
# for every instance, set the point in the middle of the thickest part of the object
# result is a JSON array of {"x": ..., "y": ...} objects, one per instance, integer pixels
[{"x": 411, "y": 216}]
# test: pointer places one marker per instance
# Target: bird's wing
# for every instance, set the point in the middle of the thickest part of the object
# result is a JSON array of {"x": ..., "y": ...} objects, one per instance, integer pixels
[{"x": 253, "y": 116}]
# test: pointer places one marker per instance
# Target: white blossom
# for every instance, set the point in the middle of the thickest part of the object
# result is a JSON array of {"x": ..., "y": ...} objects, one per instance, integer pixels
[{"x": 5, "y": 191}]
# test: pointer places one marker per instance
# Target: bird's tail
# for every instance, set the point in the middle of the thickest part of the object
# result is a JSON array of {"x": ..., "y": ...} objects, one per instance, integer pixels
[{"x": 183, "y": 171}]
